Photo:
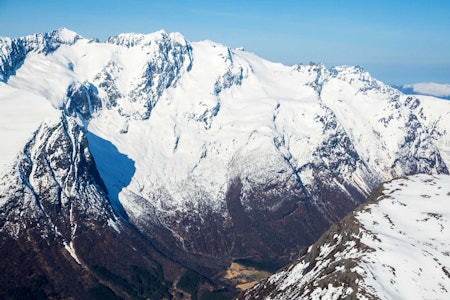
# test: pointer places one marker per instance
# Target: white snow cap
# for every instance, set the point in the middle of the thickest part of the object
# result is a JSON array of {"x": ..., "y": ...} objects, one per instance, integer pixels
[
  {"x": 139, "y": 39},
  {"x": 430, "y": 88},
  {"x": 66, "y": 36}
]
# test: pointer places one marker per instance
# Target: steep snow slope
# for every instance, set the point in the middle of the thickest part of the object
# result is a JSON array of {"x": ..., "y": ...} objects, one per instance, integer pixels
[
  {"x": 21, "y": 114},
  {"x": 214, "y": 153},
  {"x": 394, "y": 247},
  {"x": 15, "y": 51},
  {"x": 60, "y": 237}
]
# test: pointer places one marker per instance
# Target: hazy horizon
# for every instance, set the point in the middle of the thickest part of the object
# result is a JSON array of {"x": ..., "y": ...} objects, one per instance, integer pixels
[{"x": 399, "y": 42}]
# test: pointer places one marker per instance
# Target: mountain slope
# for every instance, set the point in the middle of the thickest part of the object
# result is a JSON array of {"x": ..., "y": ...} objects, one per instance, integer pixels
[
  {"x": 60, "y": 236},
  {"x": 395, "y": 246},
  {"x": 208, "y": 153},
  {"x": 15, "y": 51}
]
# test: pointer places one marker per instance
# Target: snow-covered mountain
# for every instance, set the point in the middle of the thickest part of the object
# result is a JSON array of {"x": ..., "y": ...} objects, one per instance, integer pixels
[
  {"x": 427, "y": 88},
  {"x": 206, "y": 152},
  {"x": 395, "y": 246}
]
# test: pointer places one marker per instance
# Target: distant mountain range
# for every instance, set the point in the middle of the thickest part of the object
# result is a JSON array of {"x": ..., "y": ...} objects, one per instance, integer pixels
[
  {"x": 427, "y": 88},
  {"x": 144, "y": 166}
]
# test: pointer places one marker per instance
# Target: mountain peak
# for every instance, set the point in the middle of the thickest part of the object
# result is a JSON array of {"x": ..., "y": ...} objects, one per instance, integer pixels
[
  {"x": 52, "y": 39},
  {"x": 65, "y": 35},
  {"x": 345, "y": 70},
  {"x": 210, "y": 154},
  {"x": 133, "y": 39},
  {"x": 14, "y": 51}
]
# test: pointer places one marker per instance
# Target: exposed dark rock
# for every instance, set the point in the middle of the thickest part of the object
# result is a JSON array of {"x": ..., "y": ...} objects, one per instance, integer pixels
[
  {"x": 82, "y": 100},
  {"x": 60, "y": 237}
]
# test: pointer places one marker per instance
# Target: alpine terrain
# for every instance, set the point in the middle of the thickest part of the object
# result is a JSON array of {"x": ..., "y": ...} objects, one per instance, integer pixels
[
  {"x": 146, "y": 166},
  {"x": 395, "y": 246}
]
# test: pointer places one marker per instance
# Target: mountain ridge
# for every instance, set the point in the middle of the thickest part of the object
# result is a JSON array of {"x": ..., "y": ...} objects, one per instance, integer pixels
[
  {"x": 213, "y": 154},
  {"x": 392, "y": 246}
]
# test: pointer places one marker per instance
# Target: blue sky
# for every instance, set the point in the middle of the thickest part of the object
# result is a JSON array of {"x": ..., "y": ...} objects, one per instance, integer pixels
[{"x": 397, "y": 41}]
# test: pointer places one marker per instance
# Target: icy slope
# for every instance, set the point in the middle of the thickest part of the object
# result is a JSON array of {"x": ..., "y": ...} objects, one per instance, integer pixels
[
  {"x": 222, "y": 149},
  {"x": 396, "y": 246}
]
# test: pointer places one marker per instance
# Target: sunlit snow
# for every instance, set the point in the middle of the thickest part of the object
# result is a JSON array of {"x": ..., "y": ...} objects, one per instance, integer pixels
[{"x": 400, "y": 251}]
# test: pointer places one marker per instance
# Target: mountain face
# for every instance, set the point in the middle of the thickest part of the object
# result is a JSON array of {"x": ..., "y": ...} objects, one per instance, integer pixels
[
  {"x": 15, "y": 51},
  {"x": 60, "y": 235},
  {"x": 188, "y": 156},
  {"x": 395, "y": 246}
]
